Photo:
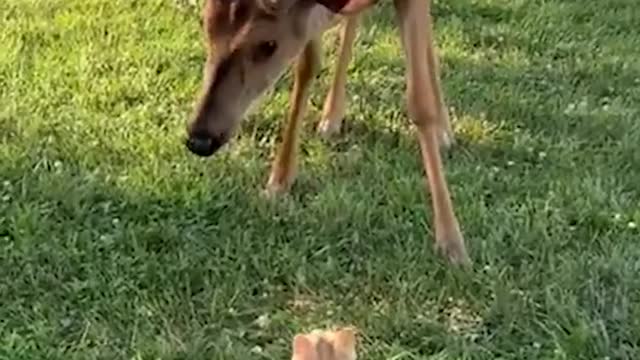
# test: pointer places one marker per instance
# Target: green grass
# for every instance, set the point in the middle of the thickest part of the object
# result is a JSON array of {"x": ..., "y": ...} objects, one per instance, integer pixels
[{"x": 115, "y": 243}]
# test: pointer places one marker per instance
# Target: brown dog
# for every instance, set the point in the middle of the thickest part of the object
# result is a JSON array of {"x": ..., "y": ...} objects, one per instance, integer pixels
[{"x": 251, "y": 42}]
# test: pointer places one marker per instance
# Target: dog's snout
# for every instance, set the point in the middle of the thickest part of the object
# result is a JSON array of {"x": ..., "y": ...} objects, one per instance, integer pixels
[{"x": 203, "y": 145}]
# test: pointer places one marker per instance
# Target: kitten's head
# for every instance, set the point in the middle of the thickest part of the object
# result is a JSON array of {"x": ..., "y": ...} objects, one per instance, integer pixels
[{"x": 325, "y": 345}]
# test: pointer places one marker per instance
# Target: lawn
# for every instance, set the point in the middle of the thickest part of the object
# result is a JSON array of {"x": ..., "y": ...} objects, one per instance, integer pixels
[{"x": 116, "y": 243}]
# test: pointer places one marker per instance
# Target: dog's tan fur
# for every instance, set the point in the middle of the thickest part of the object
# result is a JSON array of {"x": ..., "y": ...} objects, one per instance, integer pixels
[{"x": 251, "y": 42}]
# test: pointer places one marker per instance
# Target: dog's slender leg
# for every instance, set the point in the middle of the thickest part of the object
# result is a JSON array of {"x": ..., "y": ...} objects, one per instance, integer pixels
[
  {"x": 283, "y": 170},
  {"x": 335, "y": 102},
  {"x": 446, "y": 135},
  {"x": 425, "y": 106}
]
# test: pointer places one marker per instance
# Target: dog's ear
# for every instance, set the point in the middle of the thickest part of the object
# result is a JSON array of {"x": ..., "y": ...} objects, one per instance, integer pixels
[{"x": 345, "y": 6}]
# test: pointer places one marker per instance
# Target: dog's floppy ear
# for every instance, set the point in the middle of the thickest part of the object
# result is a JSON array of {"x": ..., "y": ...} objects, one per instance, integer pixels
[{"x": 345, "y": 6}]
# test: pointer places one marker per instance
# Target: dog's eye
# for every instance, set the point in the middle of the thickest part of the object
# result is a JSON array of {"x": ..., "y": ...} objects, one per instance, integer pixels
[{"x": 265, "y": 50}]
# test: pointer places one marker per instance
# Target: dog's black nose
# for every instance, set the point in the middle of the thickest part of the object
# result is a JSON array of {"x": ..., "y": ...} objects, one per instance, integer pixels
[{"x": 203, "y": 145}]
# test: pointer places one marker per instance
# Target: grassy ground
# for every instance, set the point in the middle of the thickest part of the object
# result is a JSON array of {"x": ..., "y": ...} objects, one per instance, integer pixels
[{"x": 117, "y": 244}]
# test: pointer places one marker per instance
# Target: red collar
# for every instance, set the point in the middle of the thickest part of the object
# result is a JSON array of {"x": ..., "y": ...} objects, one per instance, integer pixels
[{"x": 334, "y": 5}]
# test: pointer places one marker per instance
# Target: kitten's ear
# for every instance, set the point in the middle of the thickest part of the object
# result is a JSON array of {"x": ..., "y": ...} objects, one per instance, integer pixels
[
  {"x": 325, "y": 349},
  {"x": 346, "y": 7},
  {"x": 344, "y": 341},
  {"x": 303, "y": 348}
]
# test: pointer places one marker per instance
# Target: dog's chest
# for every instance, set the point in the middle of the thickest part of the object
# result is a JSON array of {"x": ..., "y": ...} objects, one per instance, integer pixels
[{"x": 321, "y": 20}]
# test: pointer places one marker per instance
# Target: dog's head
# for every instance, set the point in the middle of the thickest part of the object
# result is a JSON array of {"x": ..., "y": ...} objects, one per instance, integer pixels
[{"x": 250, "y": 43}]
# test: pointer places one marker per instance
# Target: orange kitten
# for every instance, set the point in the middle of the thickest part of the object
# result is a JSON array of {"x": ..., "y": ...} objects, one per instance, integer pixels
[{"x": 325, "y": 345}]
